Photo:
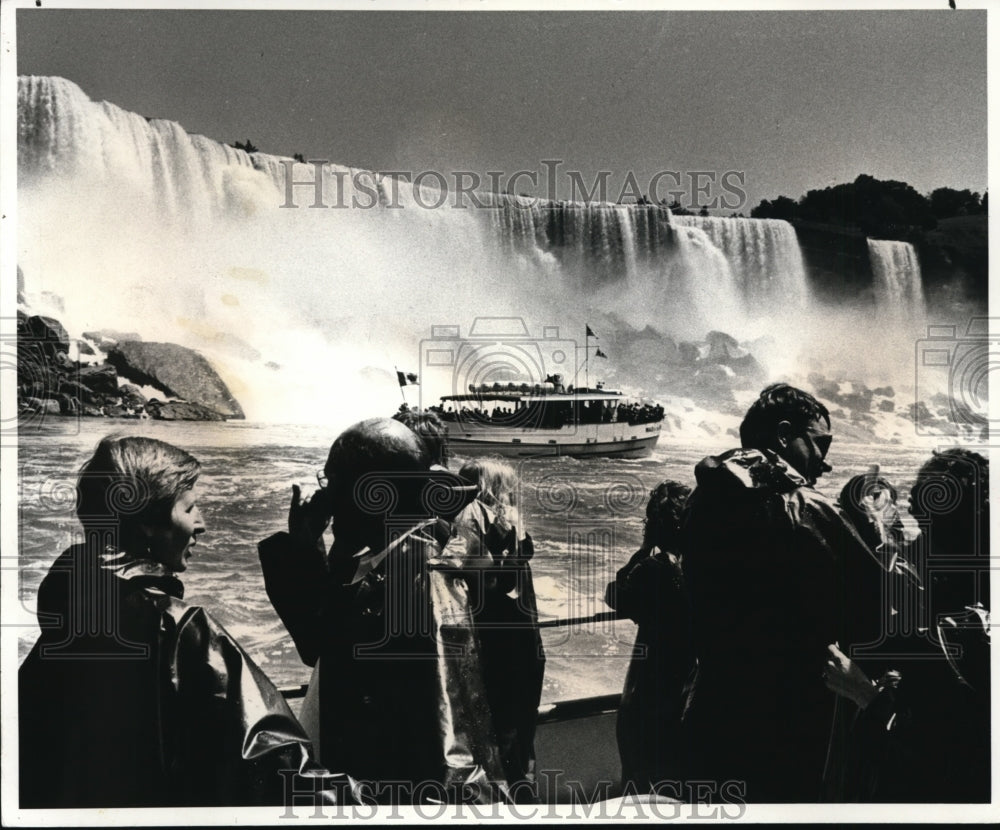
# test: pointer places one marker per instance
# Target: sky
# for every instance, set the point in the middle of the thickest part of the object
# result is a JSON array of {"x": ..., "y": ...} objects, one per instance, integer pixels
[{"x": 792, "y": 100}]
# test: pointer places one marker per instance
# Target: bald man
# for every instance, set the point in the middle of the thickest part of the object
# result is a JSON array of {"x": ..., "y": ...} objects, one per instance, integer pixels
[{"x": 402, "y": 703}]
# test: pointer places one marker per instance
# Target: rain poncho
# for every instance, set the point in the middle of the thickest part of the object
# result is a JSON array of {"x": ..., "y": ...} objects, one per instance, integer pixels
[
  {"x": 494, "y": 559},
  {"x": 650, "y": 591},
  {"x": 775, "y": 574},
  {"x": 133, "y": 698},
  {"x": 402, "y": 697}
]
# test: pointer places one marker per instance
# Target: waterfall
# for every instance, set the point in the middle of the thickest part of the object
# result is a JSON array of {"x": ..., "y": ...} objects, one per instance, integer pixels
[
  {"x": 606, "y": 241},
  {"x": 898, "y": 287},
  {"x": 139, "y": 225},
  {"x": 764, "y": 256},
  {"x": 63, "y": 133}
]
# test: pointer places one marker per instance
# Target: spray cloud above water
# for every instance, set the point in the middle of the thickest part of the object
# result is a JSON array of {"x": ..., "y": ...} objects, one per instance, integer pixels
[{"x": 137, "y": 225}]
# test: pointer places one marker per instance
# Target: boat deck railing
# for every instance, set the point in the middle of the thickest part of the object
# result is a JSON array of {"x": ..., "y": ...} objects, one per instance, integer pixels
[
  {"x": 299, "y": 691},
  {"x": 575, "y": 741}
]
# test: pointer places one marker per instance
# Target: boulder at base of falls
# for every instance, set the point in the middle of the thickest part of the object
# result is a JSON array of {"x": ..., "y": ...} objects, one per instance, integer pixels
[
  {"x": 77, "y": 390},
  {"x": 131, "y": 395},
  {"x": 45, "y": 333},
  {"x": 180, "y": 372},
  {"x": 102, "y": 379},
  {"x": 182, "y": 411},
  {"x": 41, "y": 406}
]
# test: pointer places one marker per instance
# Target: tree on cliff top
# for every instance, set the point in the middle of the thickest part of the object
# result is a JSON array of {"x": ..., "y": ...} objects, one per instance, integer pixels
[
  {"x": 946, "y": 202},
  {"x": 780, "y": 208},
  {"x": 676, "y": 208},
  {"x": 878, "y": 208}
]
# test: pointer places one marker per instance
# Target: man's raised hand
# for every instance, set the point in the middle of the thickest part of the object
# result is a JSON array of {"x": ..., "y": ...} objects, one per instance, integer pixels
[{"x": 308, "y": 517}]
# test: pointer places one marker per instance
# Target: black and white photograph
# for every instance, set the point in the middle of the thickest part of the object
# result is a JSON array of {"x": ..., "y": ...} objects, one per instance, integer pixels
[{"x": 480, "y": 411}]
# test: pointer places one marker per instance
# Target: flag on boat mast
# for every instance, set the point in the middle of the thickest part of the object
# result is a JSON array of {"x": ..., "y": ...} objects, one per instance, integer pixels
[
  {"x": 405, "y": 379},
  {"x": 586, "y": 352}
]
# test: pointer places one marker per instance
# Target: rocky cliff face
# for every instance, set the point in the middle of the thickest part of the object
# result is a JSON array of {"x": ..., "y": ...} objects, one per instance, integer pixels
[
  {"x": 839, "y": 265},
  {"x": 836, "y": 259},
  {"x": 178, "y": 371},
  {"x": 50, "y": 382},
  {"x": 958, "y": 247},
  {"x": 708, "y": 371}
]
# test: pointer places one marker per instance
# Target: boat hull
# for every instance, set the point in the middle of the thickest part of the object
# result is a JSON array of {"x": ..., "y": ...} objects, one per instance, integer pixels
[{"x": 637, "y": 442}]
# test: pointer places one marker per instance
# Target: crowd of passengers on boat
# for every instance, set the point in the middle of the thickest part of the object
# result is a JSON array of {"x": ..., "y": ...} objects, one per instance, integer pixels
[{"x": 542, "y": 413}]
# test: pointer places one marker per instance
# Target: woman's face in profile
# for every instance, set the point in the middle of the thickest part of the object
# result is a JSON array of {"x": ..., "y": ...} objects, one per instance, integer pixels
[{"x": 171, "y": 544}]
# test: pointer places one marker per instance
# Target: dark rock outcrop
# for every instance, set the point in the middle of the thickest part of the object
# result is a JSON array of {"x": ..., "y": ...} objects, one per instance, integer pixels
[
  {"x": 77, "y": 390},
  {"x": 47, "y": 332},
  {"x": 958, "y": 246},
  {"x": 100, "y": 378},
  {"x": 50, "y": 383},
  {"x": 182, "y": 411},
  {"x": 178, "y": 371},
  {"x": 836, "y": 259},
  {"x": 68, "y": 405},
  {"x": 43, "y": 406},
  {"x": 857, "y": 399},
  {"x": 839, "y": 265},
  {"x": 42, "y": 344},
  {"x": 131, "y": 395},
  {"x": 707, "y": 371},
  {"x": 724, "y": 350}
]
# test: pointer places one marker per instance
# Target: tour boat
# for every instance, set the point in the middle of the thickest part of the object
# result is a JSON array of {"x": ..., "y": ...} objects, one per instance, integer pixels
[{"x": 549, "y": 419}]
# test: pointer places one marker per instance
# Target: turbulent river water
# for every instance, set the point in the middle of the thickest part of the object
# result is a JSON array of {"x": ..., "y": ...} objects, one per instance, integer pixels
[{"x": 585, "y": 517}]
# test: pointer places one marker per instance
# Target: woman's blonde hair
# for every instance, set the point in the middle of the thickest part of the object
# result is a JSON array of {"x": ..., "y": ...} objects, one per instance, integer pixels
[
  {"x": 496, "y": 479},
  {"x": 131, "y": 480}
]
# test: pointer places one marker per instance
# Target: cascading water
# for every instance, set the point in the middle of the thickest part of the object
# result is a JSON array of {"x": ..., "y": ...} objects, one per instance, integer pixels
[
  {"x": 294, "y": 304},
  {"x": 898, "y": 286},
  {"x": 764, "y": 256},
  {"x": 632, "y": 253}
]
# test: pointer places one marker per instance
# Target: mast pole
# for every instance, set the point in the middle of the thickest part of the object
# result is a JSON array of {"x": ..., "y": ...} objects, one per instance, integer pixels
[{"x": 402, "y": 394}]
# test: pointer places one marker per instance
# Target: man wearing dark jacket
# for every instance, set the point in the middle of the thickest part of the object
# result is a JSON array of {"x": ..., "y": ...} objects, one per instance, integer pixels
[
  {"x": 775, "y": 574},
  {"x": 401, "y": 695}
]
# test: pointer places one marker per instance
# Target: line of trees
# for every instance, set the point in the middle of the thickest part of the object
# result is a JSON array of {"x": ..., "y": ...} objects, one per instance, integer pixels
[
  {"x": 247, "y": 146},
  {"x": 874, "y": 206},
  {"x": 675, "y": 207}
]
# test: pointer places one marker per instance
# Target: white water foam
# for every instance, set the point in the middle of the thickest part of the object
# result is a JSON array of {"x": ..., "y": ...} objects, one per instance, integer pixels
[
  {"x": 898, "y": 285},
  {"x": 305, "y": 312}
]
